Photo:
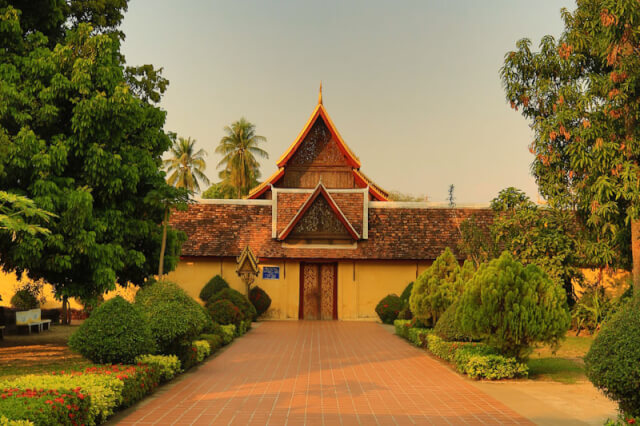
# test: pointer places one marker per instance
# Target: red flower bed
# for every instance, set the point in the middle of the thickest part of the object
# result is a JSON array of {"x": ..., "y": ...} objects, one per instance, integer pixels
[{"x": 45, "y": 407}]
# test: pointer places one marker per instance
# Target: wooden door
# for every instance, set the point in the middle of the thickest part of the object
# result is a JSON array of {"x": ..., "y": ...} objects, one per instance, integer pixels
[{"x": 318, "y": 291}]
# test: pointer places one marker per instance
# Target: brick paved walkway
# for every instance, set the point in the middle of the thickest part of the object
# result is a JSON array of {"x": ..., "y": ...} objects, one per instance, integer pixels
[{"x": 322, "y": 373}]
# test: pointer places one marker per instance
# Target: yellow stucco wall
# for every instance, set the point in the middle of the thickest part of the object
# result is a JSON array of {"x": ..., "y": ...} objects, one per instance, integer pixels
[
  {"x": 192, "y": 275},
  {"x": 363, "y": 284},
  {"x": 358, "y": 293},
  {"x": 9, "y": 283}
]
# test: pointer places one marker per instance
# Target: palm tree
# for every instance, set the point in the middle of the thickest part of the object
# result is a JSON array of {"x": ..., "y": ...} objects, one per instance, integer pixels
[
  {"x": 239, "y": 148},
  {"x": 186, "y": 166},
  {"x": 186, "y": 170}
]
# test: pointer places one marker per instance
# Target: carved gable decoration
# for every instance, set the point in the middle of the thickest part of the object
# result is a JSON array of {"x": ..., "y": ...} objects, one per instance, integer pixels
[
  {"x": 319, "y": 218},
  {"x": 318, "y": 148}
]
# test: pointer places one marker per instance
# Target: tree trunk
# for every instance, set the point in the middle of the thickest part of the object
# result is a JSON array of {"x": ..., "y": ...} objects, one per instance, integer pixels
[
  {"x": 635, "y": 254},
  {"x": 66, "y": 314},
  {"x": 163, "y": 246}
]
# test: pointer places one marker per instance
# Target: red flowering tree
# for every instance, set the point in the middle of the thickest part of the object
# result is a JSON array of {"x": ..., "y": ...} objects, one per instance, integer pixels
[{"x": 582, "y": 96}]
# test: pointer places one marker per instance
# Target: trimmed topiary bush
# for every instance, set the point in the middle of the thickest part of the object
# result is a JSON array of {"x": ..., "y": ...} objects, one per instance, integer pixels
[
  {"x": 238, "y": 299},
  {"x": 214, "y": 285},
  {"x": 168, "y": 366},
  {"x": 511, "y": 307},
  {"x": 215, "y": 341},
  {"x": 24, "y": 300},
  {"x": 202, "y": 349},
  {"x": 449, "y": 328},
  {"x": 406, "y": 293},
  {"x": 613, "y": 360},
  {"x": 175, "y": 317},
  {"x": 389, "y": 308},
  {"x": 228, "y": 333},
  {"x": 116, "y": 332},
  {"x": 436, "y": 288},
  {"x": 260, "y": 300},
  {"x": 224, "y": 312}
]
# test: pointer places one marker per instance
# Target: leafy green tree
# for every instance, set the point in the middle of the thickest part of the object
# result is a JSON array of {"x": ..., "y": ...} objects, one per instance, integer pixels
[
  {"x": 239, "y": 149},
  {"x": 186, "y": 165},
  {"x": 401, "y": 196},
  {"x": 219, "y": 190},
  {"x": 547, "y": 237},
  {"x": 79, "y": 139},
  {"x": 582, "y": 97},
  {"x": 512, "y": 306},
  {"x": 19, "y": 214},
  {"x": 510, "y": 199},
  {"x": 436, "y": 288}
]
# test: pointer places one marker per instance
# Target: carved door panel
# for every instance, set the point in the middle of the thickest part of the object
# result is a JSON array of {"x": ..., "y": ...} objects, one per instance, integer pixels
[
  {"x": 318, "y": 291},
  {"x": 311, "y": 291}
]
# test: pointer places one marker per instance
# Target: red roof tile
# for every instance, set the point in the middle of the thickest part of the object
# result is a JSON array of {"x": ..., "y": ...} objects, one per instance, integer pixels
[
  {"x": 222, "y": 230},
  {"x": 288, "y": 205}
]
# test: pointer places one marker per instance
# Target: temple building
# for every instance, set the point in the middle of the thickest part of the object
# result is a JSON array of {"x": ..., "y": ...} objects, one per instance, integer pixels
[{"x": 330, "y": 244}]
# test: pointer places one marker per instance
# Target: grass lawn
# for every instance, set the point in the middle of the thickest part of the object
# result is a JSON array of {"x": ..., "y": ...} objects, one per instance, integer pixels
[
  {"x": 39, "y": 352},
  {"x": 565, "y": 366}
]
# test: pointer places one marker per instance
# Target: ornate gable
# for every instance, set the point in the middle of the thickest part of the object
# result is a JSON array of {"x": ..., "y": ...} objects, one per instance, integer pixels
[
  {"x": 318, "y": 154},
  {"x": 319, "y": 218},
  {"x": 318, "y": 148}
]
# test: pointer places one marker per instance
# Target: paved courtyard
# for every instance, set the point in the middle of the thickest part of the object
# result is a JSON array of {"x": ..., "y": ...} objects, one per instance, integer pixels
[{"x": 321, "y": 373}]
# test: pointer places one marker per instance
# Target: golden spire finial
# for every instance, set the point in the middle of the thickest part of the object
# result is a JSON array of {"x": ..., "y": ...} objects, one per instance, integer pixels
[{"x": 320, "y": 93}]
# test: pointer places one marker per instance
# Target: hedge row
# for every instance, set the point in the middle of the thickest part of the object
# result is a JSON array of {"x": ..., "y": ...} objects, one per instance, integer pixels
[
  {"x": 415, "y": 335},
  {"x": 92, "y": 395},
  {"x": 103, "y": 389},
  {"x": 476, "y": 360},
  {"x": 43, "y": 407}
]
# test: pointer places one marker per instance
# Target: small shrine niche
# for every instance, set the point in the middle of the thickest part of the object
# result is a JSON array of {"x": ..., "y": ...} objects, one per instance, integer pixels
[{"x": 247, "y": 267}]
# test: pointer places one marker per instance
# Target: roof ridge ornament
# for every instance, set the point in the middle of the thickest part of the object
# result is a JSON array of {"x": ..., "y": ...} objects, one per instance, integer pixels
[{"x": 320, "y": 94}]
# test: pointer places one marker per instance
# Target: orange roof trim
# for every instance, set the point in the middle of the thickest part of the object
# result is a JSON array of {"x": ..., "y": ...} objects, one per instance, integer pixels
[
  {"x": 320, "y": 111},
  {"x": 320, "y": 190},
  {"x": 262, "y": 188},
  {"x": 377, "y": 192}
]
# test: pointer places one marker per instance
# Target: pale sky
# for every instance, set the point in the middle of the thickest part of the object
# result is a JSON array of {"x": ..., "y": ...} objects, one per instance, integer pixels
[{"x": 412, "y": 86}]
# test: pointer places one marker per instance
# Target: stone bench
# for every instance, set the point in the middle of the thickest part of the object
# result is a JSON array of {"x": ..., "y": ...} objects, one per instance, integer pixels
[{"x": 32, "y": 318}]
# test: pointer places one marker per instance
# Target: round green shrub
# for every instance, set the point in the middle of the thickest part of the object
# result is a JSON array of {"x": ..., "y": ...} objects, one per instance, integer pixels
[
  {"x": 116, "y": 332},
  {"x": 260, "y": 300},
  {"x": 512, "y": 307},
  {"x": 214, "y": 285},
  {"x": 613, "y": 360},
  {"x": 406, "y": 293},
  {"x": 448, "y": 328},
  {"x": 209, "y": 325},
  {"x": 436, "y": 288},
  {"x": 224, "y": 312},
  {"x": 24, "y": 300},
  {"x": 175, "y": 317},
  {"x": 238, "y": 299},
  {"x": 389, "y": 308}
]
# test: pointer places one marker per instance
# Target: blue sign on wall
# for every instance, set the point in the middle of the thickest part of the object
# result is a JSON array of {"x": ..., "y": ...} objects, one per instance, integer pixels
[{"x": 270, "y": 272}]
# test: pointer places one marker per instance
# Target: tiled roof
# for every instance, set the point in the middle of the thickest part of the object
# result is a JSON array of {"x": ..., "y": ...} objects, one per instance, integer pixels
[
  {"x": 224, "y": 230},
  {"x": 288, "y": 205},
  {"x": 351, "y": 204}
]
